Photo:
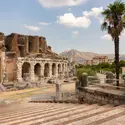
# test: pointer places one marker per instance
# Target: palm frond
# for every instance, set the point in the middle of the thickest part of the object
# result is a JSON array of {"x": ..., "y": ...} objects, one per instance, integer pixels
[{"x": 104, "y": 26}]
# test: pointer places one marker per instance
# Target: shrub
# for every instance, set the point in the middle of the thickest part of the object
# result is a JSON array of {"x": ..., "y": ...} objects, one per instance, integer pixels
[{"x": 85, "y": 70}]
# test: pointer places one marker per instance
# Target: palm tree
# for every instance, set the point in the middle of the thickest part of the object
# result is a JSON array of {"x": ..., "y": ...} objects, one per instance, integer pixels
[{"x": 114, "y": 24}]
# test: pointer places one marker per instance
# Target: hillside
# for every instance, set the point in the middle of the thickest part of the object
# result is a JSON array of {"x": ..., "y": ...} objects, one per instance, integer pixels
[{"x": 79, "y": 56}]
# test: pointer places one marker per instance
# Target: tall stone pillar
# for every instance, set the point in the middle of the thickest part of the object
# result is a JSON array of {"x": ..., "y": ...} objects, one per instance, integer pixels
[
  {"x": 42, "y": 69},
  {"x": 50, "y": 70},
  {"x": 58, "y": 91},
  {"x": 32, "y": 74},
  {"x": 56, "y": 70},
  {"x": 19, "y": 73}
]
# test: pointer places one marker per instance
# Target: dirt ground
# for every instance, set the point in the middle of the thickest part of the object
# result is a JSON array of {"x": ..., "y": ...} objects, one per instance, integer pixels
[{"x": 21, "y": 94}]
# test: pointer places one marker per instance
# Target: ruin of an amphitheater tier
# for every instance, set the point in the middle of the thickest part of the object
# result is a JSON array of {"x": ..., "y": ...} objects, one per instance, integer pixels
[{"x": 23, "y": 55}]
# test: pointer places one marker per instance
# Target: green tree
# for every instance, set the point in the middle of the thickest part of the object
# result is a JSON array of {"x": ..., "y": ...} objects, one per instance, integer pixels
[{"x": 114, "y": 18}]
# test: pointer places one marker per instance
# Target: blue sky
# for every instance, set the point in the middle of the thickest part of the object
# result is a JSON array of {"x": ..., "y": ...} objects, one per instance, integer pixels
[{"x": 66, "y": 24}]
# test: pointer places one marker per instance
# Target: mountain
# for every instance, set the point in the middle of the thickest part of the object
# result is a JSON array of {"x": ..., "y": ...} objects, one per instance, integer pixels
[{"x": 80, "y": 57}]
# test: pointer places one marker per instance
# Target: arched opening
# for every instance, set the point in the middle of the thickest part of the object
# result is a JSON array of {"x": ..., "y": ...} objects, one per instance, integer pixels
[
  {"x": 46, "y": 70},
  {"x": 54, "y": 69},
  {"x": 37, "y": 71},
  {"x": 26, "y": 71}
]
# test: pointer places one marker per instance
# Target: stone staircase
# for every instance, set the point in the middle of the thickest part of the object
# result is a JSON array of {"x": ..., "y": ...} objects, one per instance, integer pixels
[{"x": 62, "y": 114}]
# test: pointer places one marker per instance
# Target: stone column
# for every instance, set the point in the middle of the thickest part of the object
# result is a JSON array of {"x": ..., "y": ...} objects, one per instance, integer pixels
[
  {"x": 42, "y": 73},
  {"x": 58, "y": 91},
  {"x": 84, "y": 80},
  {"x": 50, "y": 70},
  {"x": 42, "y": 69},
  {"x": 19, "y": 73},
  {"x": 32, "y": 74},
  {"x": 56, "y": 70}
]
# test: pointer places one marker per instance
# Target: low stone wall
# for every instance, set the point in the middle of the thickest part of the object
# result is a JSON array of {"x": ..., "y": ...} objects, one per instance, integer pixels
[{"x": 97, "y": 96}]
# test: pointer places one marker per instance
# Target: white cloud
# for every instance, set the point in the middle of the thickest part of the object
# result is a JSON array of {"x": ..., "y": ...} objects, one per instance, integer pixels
[
  {"x": 70, "y": 20},
  {"x": 32, "y": 28},
  {"x": 60, "y": 3},
  {"x": 84, "y": 21},
  {"x": 106, "y": 37},
  {"x": 75, "y": 33},
  {"x": 44, "y": 23},
  {"x": 96, "y": 12}
]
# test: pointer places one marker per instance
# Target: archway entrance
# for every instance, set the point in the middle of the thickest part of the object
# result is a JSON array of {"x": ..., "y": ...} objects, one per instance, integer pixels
[
  {"x": 37, "y": 71},
  {"x": 54, "y": 69},
  {"x": 46, "y": 70},
  {"x": 26, "y": 71}
]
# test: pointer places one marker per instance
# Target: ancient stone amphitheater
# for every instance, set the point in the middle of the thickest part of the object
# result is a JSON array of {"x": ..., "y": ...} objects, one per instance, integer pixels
[{"x": 62, "y": 114}]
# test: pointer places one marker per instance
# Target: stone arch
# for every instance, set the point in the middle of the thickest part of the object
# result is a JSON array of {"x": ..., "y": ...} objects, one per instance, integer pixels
[
  {"x": 46, "y": 70},
  {"x": 37, "y": 71},
  {"x": 53, "y": 69},
  {"x": 26, "y": 70}
]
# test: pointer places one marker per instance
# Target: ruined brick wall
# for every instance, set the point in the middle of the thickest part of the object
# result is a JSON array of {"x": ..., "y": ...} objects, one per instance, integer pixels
[
  {"x": 11, "y": 43},
  {"x": 49, "y": 48},
  {"x": 43, "y": 44},
  {"x": 11, "y": 68},
  {"x": 33, "y": 44},
  {"x": 23, "y": 45}
]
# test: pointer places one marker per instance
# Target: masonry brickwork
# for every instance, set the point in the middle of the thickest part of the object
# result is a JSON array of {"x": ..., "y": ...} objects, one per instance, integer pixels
[{"x": 29, "y": 56}]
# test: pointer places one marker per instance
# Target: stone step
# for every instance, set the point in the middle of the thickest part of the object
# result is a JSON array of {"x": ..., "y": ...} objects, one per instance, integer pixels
[
  {"x": 100, "y": 118},
  {"x": 116, "y": 121},
  {"x": 21, "y": 109},
  {"x": 79, "y": 115},
  {"x": 63, "y": 114},
  {"x": 32, "y": 110},
  {"x": 30, "y": 117},
  {"x": 58, "y": 115},
  {"x": 37, "y": 112}
]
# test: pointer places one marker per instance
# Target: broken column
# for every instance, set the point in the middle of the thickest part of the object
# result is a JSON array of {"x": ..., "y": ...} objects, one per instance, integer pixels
[
  {"x": 58, "y": 90},
  {"x": 84, "y": 80}
]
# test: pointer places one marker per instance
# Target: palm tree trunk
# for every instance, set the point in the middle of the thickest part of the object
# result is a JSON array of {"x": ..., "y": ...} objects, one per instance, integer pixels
[{"x": 117, "y": 60}]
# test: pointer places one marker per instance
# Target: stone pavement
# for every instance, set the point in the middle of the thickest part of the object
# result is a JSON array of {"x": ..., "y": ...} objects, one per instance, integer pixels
[{"x": 62, "y": 114}]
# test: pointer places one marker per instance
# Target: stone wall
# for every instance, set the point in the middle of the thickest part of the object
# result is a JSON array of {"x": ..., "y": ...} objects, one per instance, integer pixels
[{"x": 101, "y": 97}]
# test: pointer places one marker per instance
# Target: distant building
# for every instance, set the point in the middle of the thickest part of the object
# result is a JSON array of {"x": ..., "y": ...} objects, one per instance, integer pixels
[
  {"x": 97, "y": 60},
  {"x": 100, "y": 59},
  {"x": 88, "y": 62}
]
